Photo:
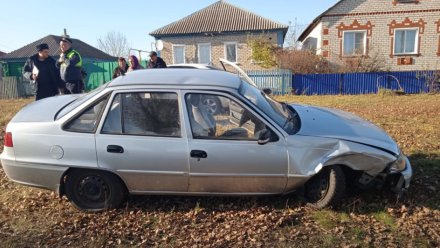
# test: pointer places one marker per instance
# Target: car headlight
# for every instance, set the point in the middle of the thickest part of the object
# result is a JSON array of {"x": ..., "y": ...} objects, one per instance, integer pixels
[{"x": 399, "y": 164}]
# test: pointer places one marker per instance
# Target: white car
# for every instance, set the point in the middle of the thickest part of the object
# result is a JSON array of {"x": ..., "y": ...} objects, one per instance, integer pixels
[{"x": 148, "y": 132}]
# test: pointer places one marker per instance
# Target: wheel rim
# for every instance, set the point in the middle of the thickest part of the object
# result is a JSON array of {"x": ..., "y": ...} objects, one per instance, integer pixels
[
  {"x": 93, "y": 190},
  {"x": 211, "y": 105},
  {"x": 319, "y": 189},
  {"x": 323, "y": 187}
]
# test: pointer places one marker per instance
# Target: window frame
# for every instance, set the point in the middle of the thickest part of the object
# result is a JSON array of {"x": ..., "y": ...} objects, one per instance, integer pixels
[
  {"x": 416, "y": 43},
  {"x": 210, "y": 53},
  {"x": 226, "y": 50},
  {"x": 151, "y": 90},
  {"x": 184, "y": 55},
  {"x": 83, "y": 110},
  {"x": 354, "y": 40}
]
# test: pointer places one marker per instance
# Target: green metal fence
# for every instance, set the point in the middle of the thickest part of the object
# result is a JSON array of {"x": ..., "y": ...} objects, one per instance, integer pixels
[{"x": 98, "y": 73}]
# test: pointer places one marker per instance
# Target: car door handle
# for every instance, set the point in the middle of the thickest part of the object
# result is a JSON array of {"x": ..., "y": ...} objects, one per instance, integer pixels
[
  {"x": 115, "y": 149},
  {"x": 198, "y": 154}
]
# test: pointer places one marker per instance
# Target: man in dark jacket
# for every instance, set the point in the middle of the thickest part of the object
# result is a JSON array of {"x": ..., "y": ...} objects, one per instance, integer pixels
[
  {"x": 156, "y": 62},
  {"x": 70, "y": 64},
  {"x": 40, "y": 70}
]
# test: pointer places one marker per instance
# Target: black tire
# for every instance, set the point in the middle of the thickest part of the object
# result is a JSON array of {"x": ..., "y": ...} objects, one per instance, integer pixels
[
  {"x": 327, "y": 188},
  {"x": 92, "y": 190},
  {"x": 212, "y": 104}
]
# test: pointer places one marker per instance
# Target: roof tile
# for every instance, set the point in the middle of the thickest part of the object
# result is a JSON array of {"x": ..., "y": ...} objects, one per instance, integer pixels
[
  {"x": 219, "y": 17},
  {"x": 84, "y": 49}
]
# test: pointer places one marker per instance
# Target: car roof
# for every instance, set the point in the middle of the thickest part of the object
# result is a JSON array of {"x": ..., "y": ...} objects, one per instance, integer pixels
[
  {"x": 195, "y": 66},
  {"x": 181, "y": 76}
]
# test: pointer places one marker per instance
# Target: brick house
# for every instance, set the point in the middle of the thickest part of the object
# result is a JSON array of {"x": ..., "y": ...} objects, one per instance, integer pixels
[
  {"x": 404, "y": 33},
  {"x": 220, "y": 30}
]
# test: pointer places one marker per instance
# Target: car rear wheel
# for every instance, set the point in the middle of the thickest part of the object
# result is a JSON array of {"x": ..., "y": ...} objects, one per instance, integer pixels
[
  {"x": 91, "y": 190},
  {"x": 327, "y": 188}
]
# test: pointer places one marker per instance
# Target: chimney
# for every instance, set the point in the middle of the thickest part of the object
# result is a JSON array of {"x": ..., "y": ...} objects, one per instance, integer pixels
[{"x": 65, "y": 34}]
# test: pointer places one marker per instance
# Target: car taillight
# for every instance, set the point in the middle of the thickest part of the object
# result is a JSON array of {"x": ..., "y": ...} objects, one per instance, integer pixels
[{"x": 8, "y": 140}]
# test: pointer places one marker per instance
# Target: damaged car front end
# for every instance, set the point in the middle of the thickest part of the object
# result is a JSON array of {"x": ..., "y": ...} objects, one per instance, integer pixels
[
  {"x": 368, "y": 155},
  {"x": 330, "y": 149}
]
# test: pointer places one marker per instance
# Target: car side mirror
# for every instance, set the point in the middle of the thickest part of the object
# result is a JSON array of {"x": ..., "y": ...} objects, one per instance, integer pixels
[{"x": 264, "y": 137}]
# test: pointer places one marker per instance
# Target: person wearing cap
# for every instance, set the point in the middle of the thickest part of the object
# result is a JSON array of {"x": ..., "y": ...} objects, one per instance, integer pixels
[
  {"x": 156, "y": 62},
  {"x": 70, "y": 65},
  {"x": 40, "y": 70},
  {"x": 121, "y": 69}
]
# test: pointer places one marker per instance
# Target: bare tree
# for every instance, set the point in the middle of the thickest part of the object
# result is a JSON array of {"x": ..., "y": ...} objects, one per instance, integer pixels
[
  {"x": 114, "y": 43},
  {"x": 291, "y": 41}
]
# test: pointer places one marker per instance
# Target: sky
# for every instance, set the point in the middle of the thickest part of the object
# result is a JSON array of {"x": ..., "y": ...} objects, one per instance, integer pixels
[{"x": 23, "y": 22}]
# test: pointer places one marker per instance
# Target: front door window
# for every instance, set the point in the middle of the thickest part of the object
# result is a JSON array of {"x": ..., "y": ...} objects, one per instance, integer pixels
[{"x": 218, "y": 117}]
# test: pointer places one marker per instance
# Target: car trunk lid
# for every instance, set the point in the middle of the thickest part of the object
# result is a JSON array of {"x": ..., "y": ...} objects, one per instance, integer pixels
[{"x": 43, "y": 110}]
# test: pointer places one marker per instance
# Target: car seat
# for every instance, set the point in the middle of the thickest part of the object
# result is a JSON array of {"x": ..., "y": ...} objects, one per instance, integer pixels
[{"x": 202, "y": 122}]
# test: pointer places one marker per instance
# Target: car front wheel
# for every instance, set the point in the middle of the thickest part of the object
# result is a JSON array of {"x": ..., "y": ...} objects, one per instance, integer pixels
[
  {"x": 327, "y": 188},
  {"x": 94, "y": 190}
]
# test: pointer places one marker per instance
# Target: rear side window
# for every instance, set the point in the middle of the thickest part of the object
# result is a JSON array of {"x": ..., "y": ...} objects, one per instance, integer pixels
[
  {"x": 88, "y": 120},
  {"x": 145, "y": 113}
]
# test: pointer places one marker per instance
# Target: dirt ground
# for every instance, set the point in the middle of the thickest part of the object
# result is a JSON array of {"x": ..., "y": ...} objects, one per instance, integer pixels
[{"x": 32, "y": 217}]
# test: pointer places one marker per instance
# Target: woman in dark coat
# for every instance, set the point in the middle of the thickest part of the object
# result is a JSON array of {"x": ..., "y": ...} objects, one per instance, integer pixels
[
  {"x": 121, "y": 69},
  {"x": 41, "y": 71}
]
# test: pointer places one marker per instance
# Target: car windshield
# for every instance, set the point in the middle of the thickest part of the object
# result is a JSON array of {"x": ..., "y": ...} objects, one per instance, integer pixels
[
  {"x": 80, "y": 100},
  {"x": 281, "y": 113}
]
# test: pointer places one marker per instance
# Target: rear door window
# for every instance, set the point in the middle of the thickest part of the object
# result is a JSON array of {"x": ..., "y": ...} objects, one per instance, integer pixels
[{"x": 144, "y": 113}]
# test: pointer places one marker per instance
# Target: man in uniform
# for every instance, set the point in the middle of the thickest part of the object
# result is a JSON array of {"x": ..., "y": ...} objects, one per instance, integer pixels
[{"x": 70, "y": 64}]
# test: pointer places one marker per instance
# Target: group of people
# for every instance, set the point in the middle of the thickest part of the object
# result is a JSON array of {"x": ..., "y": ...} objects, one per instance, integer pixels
[
  {"x": 155, "y": 62},
  {"x": 49, "y": 77}
]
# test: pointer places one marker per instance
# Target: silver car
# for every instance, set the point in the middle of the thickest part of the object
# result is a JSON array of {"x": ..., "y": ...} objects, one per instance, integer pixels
[{"x": 148, "y": 132}]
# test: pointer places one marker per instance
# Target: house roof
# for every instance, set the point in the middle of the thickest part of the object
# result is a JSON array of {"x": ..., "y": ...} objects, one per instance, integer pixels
[
  {"x": 217, "y": 18},
  {"x": 2, "y": 53},
  {"x": 83, "y": 48},
  {"x": 315, "y": 22}
]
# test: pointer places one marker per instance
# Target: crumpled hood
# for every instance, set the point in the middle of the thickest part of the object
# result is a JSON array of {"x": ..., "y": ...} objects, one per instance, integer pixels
[
  {"x": 43, "y": 110},
  {"x": 333, "y": 123}
]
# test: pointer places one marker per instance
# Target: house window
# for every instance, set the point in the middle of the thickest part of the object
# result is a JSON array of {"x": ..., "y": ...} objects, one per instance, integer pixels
[
  {"x": 179, "y": 54},
  {"x": 354, "y": 43},
  {"x": 231, "y": 51},
  {"x": 405, "y": 41},
  {"x": 204, "y": 53}
]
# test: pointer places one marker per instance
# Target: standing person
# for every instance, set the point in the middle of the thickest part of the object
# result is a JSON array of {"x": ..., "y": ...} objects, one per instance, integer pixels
[
  {"x": 70, "y": 64},
  {"x": 156, "y": 62},
  {"x": 134, "y": 63},
  {"x": 44, "y": 76},
  {"x": 121, "y": 69}
]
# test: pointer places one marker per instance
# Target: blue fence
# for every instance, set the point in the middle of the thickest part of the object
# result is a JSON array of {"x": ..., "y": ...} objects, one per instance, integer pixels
[
  {"x": 412, "y": 82},
  {"x": 279, "y": 81}
]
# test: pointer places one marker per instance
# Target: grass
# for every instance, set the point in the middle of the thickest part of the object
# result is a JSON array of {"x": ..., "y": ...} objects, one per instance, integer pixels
[
  {"x": 34, "y": 217},
  {"x": 386, "y": 219}
]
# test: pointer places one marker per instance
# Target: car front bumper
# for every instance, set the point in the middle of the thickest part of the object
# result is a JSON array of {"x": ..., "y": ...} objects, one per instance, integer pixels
[{"x": 400, "y": 181}]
